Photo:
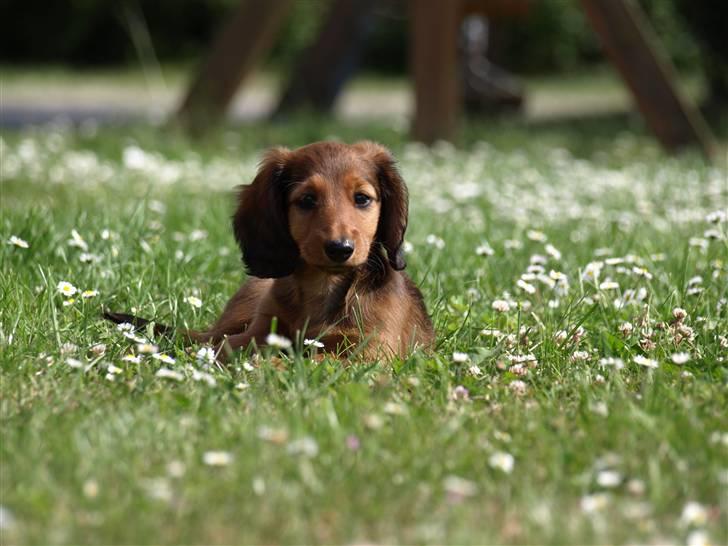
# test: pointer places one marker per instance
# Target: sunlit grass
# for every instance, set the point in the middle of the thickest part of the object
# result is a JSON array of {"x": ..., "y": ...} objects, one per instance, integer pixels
[{"x": 577, "y": 392}]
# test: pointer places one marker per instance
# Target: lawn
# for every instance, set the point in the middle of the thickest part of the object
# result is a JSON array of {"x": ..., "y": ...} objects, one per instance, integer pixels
[{"x": 577, "y": 279}]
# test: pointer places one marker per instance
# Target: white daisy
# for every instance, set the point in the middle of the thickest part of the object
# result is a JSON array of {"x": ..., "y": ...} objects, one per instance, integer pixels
[
  {"x": 17, "y": 241},
  {"x": 66, "y": 288},
  {"x": 280, "y": 342}
]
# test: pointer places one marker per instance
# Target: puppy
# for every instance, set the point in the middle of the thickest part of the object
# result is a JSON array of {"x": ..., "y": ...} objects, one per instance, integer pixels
[{"x": 321, "y": 230}]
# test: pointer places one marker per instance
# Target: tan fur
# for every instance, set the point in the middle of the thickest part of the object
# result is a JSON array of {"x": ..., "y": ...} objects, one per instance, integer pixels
[{"x": 366, "y": 304}]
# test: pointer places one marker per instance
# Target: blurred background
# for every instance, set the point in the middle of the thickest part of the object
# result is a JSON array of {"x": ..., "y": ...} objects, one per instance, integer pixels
[{"x": 119, "y": 61}]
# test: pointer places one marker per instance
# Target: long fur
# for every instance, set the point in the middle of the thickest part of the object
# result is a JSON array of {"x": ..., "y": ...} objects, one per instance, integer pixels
[{"x": 367, "y": 301}]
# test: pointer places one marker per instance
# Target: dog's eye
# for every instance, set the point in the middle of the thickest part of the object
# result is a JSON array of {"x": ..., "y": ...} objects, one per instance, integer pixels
[
  {"x": 362, "y": 200},
  {"x": 307, "y": 201}
]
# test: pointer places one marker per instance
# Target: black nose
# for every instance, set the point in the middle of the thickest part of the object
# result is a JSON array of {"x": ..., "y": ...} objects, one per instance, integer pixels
[{"x": 339, "y": 251}]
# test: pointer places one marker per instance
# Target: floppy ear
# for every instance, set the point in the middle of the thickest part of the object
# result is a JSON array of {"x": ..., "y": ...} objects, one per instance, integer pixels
[
  {"x": 260, "y": 223},
  {"x": 394, "y": 202}
]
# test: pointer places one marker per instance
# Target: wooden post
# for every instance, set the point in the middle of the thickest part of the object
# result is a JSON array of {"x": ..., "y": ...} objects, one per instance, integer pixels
[
  {"x": 631, "y": 48},
  {"x": 434, "y": 64},
  {"x": 242, "y": 42},
  {"x": 323, "y": 69}
]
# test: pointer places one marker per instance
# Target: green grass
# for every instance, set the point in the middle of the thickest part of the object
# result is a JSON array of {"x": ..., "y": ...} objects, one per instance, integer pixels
[{"x": 376, "y": 452}]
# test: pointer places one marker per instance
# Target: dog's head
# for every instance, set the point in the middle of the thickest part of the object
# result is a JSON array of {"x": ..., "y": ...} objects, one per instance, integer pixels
[{"x": 332, "y": 206}]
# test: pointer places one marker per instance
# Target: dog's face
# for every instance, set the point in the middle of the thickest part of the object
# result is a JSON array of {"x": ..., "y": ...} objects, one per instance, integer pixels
[
  {"x": 333, "y": 217},
  {"x": 332, "y": 206}
]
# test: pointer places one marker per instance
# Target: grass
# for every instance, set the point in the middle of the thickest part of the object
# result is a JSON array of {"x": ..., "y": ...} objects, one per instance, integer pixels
[{"x": 413, "y": 451}]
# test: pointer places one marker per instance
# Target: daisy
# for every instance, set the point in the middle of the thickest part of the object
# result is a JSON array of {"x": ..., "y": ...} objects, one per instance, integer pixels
[
  {"x": 609, "y": 478},
  {"x": 680, "y": 358},
  {"x": 609, "y": 285},
  {"x": 204, "y": 377},
  {"x": 460, "y": 357},
  {"x": 206, "y": 355},
  {"x": 17, "y": 241},
  {"x": 526, "y": 287},
  {"x": 616, "y": 363},
  {"x": 134, "y": 359},
  {"x": 147, "y": 348},
  {"x": 502, "y": 461},
  {"x": 313, "y": 343},
  {"x": 217, "y": 458},
  {"x": 484, "y": 249},
  {"x": 194, "y": 301},
  {"x": 279, "y": 342},
  {"x": 86, "y": 294},
  {"x": 166, "y": 373},
  {"x": 66, "y": 288},
  {"x": 163, "y": 358},
  {"x": 501, "y": 306},
  {"x": 644, "y": 361},
  {"x": 77, "y": 241}
]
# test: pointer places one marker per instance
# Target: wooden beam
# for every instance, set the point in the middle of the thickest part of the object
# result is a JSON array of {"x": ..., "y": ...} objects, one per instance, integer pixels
[
  {"x": 434, "y": 28},
  {"x": 323, "y": 69},
  {"x": 632, "y": 48},
  {"x": 241, "y": 43}
]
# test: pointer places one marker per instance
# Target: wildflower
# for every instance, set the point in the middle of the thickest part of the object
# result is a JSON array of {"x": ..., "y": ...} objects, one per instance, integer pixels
[
  {"x": 66, "y": 288},
  {"x": 407, "y": 247},
  {"x": 609, "y": 285},
  {"x": 491, "y": 332},
  {"x": 680, "y": 358},
  {"x": 526, "y": 287},
  {"x": 313, "y": 343},
  {"x": 679, "y": 313},
  {"x": 217, "y": 458},
  {"x": 194, "y": 301},
  {"x": 434, "y": 240},
  {"x": 644, "y": 361},
  {"x": 609, "y": 478},
  {"x": 512, "y": 244},
  {"x": 484, "y": 249},
  {"x": 163, "y": 358},
  {"x": 206, "y": 355},
  {"x": 99, "y": 349},
  {"x": 560, "y": 336},
  {"x": 113, "y": 369},
  {"x": 87, "y": 258},
  {"x": 166, "y": 373},
  {"x": 77, "y": 241},
  {"x": 475, "y": 370},
  {"x": 616, "y": 363},
  {"x": 699, "y": 242},
  {"x": 592, "y": 270},
  {"x": 125, "y": 327},
  {"x": 373, "y": 421},
  {"x": 594, "y": 503},
  {"x": 698, "y": 537},
  {"x": 305, "y": 446},
  {"x": 518, "y": 387},
  {"x": 134, "y": 359},
  {"x": 460, "y": 394},
  {"x": 685, "y": 374},
  {"x": 626, "y": 329},
  {"x": 198, "y": 235},
  {"x": 86, "y": 294},
  {"x": 17, "y": 241},
  {"x": 579, "y": 356},
  {"x": 717, "y": 217},
  {"x": 552, "y": 251},
  {"x": 642, "y": 272},
  {"x": 69, "y": 301},
  {"x": 204, "y": 377},
  {"x": 636, "y": 487},
  {"x": 74, "y": 363},
  {"x": 147, "y": 348},
  {"x": 68, "y": 348},
  {"x": 460, "y": 357},
  {"x": 276, "y": 436},
  {"x": 501, "y": 306},
  {"x": 279, "y": 342},
  {"x": 694, "y": 513},
  {"x": 502, "y": 461},
  {"x": 535, "y": 235}
]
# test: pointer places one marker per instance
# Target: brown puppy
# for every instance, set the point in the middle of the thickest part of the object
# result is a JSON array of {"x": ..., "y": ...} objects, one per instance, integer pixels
[{"x": 321, "y": 229}]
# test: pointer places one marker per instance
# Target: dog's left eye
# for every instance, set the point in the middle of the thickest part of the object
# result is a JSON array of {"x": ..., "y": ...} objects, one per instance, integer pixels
[{"x": 362, "y": 200}]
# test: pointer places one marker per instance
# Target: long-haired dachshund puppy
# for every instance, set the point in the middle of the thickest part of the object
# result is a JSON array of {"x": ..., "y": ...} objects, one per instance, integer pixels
[{"x": 321, "y": 230}]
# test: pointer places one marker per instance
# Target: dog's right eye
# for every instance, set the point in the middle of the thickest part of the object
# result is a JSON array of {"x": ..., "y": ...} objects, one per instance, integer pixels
[{"x": 307, "y": 201}]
